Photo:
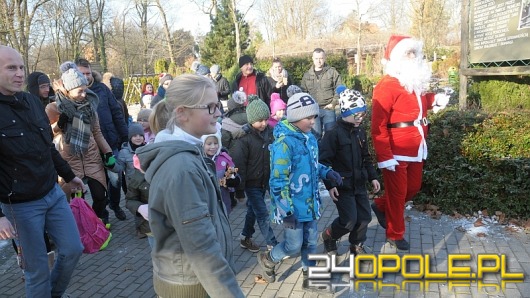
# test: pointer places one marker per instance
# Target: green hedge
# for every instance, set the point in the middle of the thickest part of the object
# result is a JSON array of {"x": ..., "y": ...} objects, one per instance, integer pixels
[
  {"x": 500, "y": 94},
  {"x": 478, "y": 161}
]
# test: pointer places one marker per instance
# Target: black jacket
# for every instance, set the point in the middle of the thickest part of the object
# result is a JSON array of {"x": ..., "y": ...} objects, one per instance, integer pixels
[
  {"x": 252, "y": 156},
  {"x": 345, "y": 149},
  {"x": 223, "y": 87},
  {"x": 29, "y": 161},
  {"x": 282, "y": 90},
  {"x": 263, "y": 87}
]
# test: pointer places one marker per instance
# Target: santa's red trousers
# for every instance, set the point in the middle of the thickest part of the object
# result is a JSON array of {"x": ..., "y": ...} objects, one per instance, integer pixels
[{"x": 400, "y": 186}]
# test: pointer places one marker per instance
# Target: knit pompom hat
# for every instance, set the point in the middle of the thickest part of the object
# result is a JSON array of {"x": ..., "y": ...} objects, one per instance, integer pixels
[
  {"x": 300, "y": 106},
  {"x": 292, "y": 90},
  {"x": 277, "y": 103},
  {"x": 257, "y": 110},
  {"x": 237, "y": 100},
  {"x": 71, "y": 76}
]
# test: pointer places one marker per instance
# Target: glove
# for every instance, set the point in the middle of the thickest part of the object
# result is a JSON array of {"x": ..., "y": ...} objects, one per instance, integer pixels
[
  {"x": 109, "y": 160},
  {"x": 440, "y": 101},
  {"x": 334, "y": 177},
  {"x": 290, "y": 222},
  {"x": 63, "y": 119}
]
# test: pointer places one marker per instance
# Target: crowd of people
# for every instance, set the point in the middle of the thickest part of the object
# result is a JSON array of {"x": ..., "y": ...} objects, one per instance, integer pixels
[{"x": 186, "y": 162}]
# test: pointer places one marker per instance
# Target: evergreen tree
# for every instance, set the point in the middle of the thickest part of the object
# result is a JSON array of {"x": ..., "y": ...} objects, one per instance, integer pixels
[{"x": 220, "y": 43}]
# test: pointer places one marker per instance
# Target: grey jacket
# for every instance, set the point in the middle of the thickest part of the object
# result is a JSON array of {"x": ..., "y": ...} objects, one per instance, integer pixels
[
  {"x": 322, "y": 88},
  {"x": 193, "y": 240}
]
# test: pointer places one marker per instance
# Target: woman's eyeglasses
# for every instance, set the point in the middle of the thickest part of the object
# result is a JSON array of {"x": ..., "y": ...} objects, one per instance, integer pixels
[{"x": 211, "y": 107}]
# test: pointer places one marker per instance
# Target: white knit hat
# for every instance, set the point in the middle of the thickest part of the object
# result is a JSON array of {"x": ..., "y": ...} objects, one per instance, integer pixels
[{"x": 71, "y": 76}]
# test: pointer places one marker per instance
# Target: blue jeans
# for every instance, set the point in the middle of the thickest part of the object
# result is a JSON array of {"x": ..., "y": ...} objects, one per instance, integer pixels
[
  {"x": 53, "y": 215},
  {"x": 324, "y": 121},
  {"x": 303, "y": 239},
  {"x": 257, "y": 210}
]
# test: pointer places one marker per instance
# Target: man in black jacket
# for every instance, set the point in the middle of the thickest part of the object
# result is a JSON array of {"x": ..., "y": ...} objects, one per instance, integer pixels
[
  {"x": 251, "y": 81},
  {"x": 30, "y": 197}
]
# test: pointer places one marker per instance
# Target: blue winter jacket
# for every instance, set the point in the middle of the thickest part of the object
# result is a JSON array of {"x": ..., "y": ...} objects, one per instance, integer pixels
[
  {"x": 110, "y": 114},
  {"x": 295, "y": 173}
]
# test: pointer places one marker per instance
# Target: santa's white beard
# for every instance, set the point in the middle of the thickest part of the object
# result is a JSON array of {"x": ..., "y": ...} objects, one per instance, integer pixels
[{"x": 413, "y": 74}]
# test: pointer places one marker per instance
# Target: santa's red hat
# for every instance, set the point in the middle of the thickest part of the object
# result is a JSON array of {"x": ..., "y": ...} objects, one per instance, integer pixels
[{"x": 397, "y": 46}]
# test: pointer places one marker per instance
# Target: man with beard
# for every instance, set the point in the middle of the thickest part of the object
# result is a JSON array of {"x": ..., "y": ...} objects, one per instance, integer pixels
[{"x": 399, "y": 131}]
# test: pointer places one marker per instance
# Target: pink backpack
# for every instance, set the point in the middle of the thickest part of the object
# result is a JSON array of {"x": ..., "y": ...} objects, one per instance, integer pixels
[{"x": 94, "y": 235}]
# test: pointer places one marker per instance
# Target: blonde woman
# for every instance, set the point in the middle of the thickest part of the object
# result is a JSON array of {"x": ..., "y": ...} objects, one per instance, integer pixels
[{"x": 192, "y": 252}]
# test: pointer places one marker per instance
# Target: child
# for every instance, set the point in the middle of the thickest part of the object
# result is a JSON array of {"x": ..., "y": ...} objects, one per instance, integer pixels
[
  {"x": 192, "y": 236},
  {"x": 277, "y": 109},
  {"x": 251, "y": 154},
  {"x": 346, "y": 150},
  {"x": 295, "y": 198},
  {"x": 143, "y": 118},
  {"x": 225, "y": 167},
  {"x": 137, "y": 188}
]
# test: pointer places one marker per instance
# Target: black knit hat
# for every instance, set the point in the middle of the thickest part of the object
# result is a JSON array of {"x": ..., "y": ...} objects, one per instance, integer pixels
[{"x": 244, "y": 60}]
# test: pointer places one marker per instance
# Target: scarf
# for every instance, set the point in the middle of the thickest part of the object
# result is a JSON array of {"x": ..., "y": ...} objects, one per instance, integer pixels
[{"x": 80, "y": 114}]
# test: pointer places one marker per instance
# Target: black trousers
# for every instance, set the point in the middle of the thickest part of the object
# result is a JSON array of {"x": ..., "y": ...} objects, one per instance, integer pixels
[{"x": 354, "y": 216}]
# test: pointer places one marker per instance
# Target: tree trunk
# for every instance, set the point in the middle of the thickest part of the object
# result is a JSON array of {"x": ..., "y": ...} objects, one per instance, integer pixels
[
  {"x": 167, "y": 32},
  {"x": 236, "y": 28}
]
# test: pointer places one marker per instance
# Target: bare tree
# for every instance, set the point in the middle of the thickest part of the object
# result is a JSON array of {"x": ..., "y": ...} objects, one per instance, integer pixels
[
  {"x": 208, "y": 7},
  {"x": 95, "y": 10},
  {"x": 429, "y": 22},
  {"x": 167, "y": 32},
  {"x": 16, "y": 19},
  {"x": 142, "y": 9}
]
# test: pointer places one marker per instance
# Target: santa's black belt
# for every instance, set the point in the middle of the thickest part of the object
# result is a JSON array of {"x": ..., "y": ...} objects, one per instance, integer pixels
[{"x": 417, "y": 122}]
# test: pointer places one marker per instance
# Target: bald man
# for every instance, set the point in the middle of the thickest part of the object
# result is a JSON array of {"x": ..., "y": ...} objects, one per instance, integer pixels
[{"x": 31, "y": 201}]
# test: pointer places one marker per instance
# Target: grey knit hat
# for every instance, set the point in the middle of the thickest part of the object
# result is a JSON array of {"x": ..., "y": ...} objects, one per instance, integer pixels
[
  {"x": 215, "y": 69},
  {"x": 71, "y": 76},
  {"x": 300, "y": 106},
  {"x": 203, "y": 70},
  {"x": 135, "y": 129},
  {"x": 292, "y": 90}
]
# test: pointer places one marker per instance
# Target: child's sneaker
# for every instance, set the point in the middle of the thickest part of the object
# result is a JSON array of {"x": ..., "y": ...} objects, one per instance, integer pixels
[
  {"x": 357, "y": 249},
  {"x": 267, "y": 265},
  {"x": 248, "y": 244},
  {"x": 330, "y": 244}
]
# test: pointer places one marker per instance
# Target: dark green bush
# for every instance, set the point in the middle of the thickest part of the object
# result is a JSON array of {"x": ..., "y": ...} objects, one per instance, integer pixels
[
  {"x": 478, "y": 161},
  {"x": 500, "y": 94}
]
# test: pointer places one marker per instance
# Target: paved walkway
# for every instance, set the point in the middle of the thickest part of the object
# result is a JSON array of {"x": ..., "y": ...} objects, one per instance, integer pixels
[{"x": 124, "y": 269}]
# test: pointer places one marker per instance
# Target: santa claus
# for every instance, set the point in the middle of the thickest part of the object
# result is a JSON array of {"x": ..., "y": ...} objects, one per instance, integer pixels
[{"x": 399, "y": 130}]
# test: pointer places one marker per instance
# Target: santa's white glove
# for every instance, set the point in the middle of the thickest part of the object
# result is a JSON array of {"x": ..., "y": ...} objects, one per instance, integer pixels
[
  {"x": 440, "y": 102},
  {"x": 391, "y": 168},
  {"x": 144, "y": 211}
]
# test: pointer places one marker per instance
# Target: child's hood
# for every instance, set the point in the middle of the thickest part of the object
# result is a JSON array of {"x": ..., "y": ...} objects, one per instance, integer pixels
[
  {"x": 277, "y": 103},
  {"x": 216, "y": 135}
]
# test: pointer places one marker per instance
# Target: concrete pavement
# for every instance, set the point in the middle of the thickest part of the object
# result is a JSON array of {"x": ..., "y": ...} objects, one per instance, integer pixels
[{"x": 124, "y": 268}]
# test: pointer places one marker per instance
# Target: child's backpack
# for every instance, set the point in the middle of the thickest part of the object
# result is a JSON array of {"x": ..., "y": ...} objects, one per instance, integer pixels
[{"x": 94, "y": 235}]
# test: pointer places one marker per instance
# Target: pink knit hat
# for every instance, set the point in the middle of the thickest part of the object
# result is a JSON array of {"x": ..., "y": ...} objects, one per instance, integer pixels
[{"x": 277, "y": 103}]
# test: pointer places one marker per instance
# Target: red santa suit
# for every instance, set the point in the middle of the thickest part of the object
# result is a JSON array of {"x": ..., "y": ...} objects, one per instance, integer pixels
[{"x": 399, "y": 131}]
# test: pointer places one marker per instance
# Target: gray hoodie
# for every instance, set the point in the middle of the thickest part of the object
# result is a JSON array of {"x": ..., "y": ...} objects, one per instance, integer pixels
[{"x": 193, "y": 240}]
